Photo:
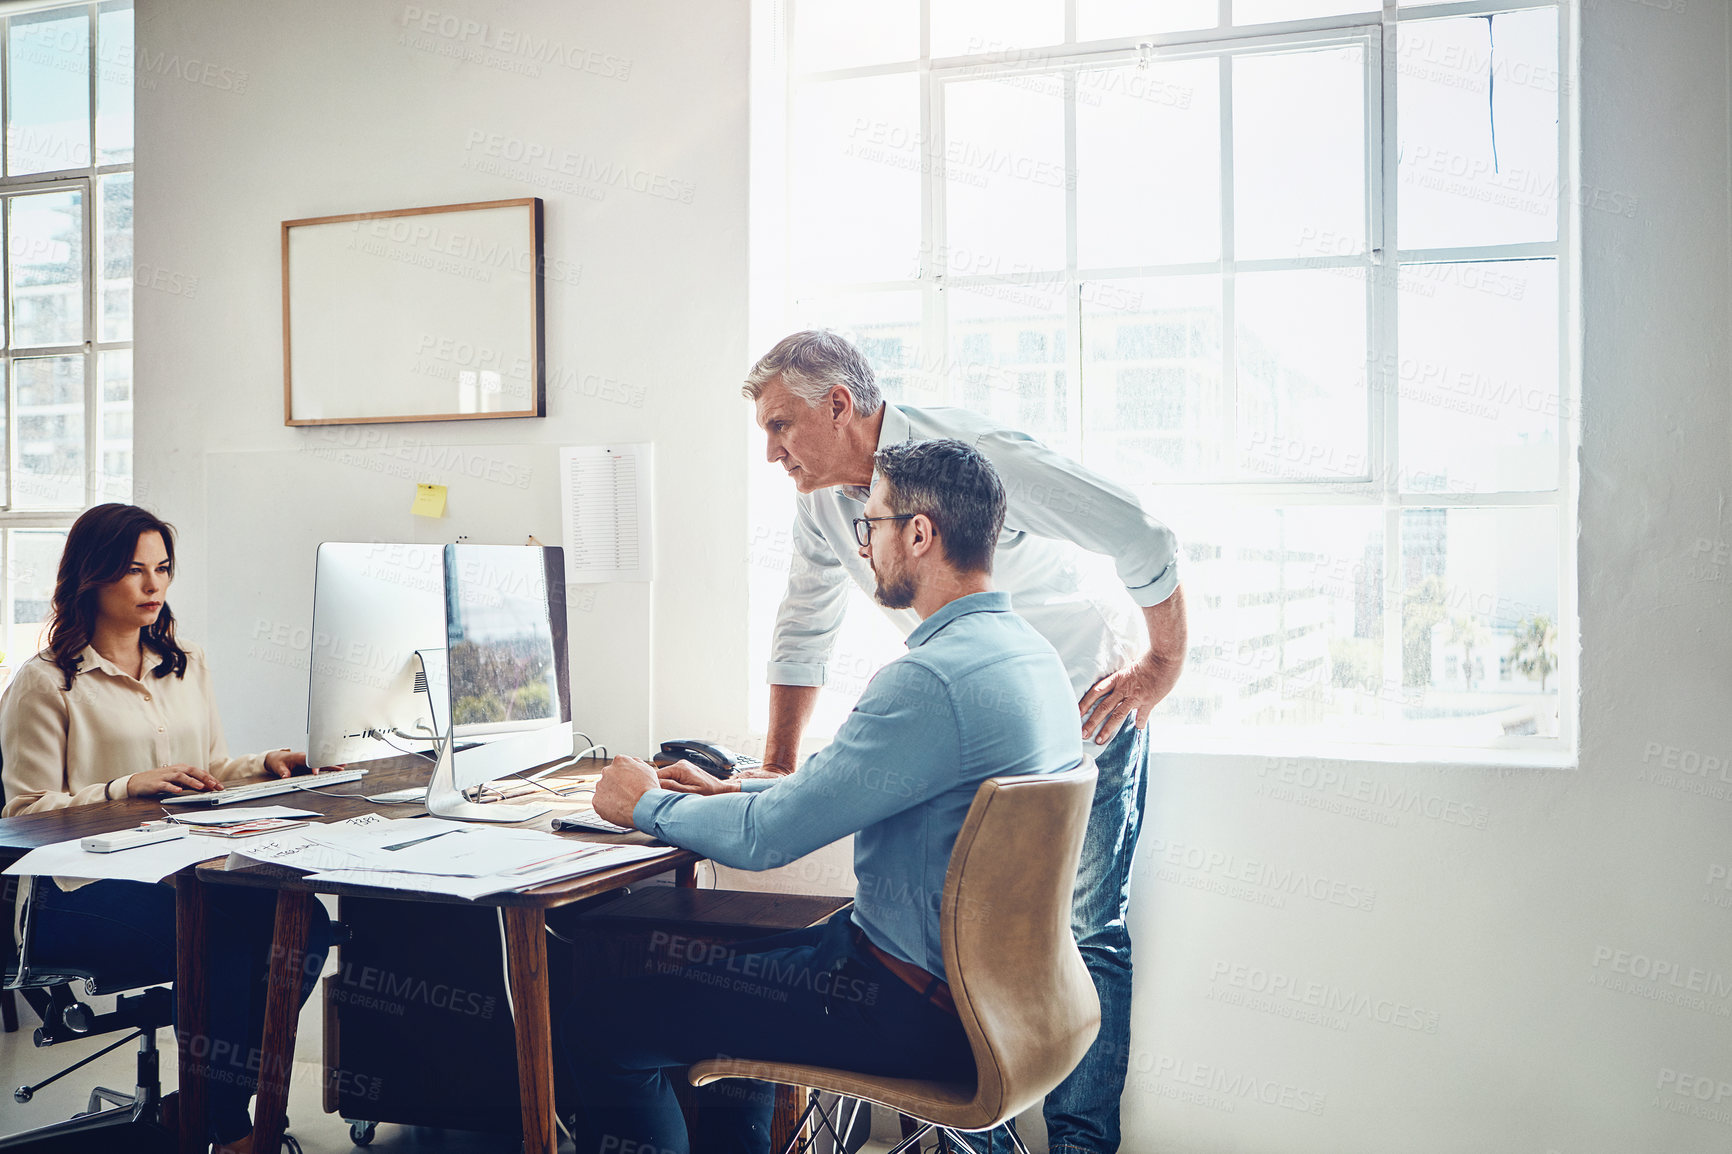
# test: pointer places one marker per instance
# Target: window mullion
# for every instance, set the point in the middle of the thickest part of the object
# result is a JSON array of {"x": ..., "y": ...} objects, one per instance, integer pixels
[
  {"x": 1569, "y": 390},
  {"x": 1383, "y": 124},
  {"x": 1229, "y": 387},
  {"x": 6, "y": 111},
  {"x": 1073, "y": 393},
  {"x": 91, "y": 78},
  {"x": 935, "y": 306},
  {"x": 92, "y": 417}
]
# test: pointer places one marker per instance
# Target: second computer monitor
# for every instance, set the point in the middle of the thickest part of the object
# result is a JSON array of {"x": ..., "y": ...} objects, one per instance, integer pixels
[{"x": 506, "y": 654}]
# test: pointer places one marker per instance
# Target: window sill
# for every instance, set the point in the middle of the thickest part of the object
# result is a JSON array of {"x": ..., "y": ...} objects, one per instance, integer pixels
[{"x": 1551, "y": 755}]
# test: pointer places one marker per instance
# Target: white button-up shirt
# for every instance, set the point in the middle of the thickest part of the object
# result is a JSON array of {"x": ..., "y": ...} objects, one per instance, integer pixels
[{"x": 1054, "y": 508}]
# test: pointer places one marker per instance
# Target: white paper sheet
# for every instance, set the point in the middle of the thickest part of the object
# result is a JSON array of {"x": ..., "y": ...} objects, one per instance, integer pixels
[
  {"x": 604, "y": 495},
  {"x": 149, "y": 863},
  {"x": 602, "y": 857}
]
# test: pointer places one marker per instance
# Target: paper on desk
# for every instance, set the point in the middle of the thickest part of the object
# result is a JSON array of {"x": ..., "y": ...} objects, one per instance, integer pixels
[
  {"x": 236, "y": 814},
  {"x": 583, "y": 858},
  {"x": 424, "y": 847},
  {"x": 337, "y": 845},
  {"x": 148, "y": 863}
]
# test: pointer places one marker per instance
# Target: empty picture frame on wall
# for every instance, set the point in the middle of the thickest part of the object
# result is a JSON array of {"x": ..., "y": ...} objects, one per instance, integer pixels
[{"x": 419, "y": 314}]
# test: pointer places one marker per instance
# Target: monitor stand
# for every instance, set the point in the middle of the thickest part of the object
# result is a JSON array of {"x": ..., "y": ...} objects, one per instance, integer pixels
[{"x": 445, "y": 800}]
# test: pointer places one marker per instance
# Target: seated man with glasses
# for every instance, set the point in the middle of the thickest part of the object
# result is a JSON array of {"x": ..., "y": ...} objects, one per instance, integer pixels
[{"x": 979, "y": 694}]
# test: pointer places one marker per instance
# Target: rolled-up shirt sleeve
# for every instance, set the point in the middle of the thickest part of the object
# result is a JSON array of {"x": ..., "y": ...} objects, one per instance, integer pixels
[
  {"x": 1050, "y": 495},
  {"x": 812, "y": 608},
  {"x": 837, "y": 792}
]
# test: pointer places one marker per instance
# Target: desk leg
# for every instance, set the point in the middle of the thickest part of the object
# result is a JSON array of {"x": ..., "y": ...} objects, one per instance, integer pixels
[
  {"x": 526, "y": 957},
  {"x": 282, "y": 1016},
  {"x": 686, "y": 875},
  {"x": 192, "y": 1010}
]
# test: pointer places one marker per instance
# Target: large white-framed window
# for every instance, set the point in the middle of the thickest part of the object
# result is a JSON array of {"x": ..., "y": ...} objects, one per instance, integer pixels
[
  {"x": 1298, "y": 272},
  {"x": 66, "y": 101}
]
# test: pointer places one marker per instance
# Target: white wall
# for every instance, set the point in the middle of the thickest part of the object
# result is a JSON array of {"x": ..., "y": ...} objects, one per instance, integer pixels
[
  {"x": 330, "y": 106},
  {"x": 1502, "y": 943}
]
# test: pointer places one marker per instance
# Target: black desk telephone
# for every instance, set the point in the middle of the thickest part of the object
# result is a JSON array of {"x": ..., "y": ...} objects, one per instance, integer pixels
[{"x": 715, "y": 760}]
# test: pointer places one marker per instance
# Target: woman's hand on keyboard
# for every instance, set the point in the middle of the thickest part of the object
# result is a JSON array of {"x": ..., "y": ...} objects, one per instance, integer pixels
[
  {"x": 282, "y": 762},
  {"x": 170, "y": 779}
]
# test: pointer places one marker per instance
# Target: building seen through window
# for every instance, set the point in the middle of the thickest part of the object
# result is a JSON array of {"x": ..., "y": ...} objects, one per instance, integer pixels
[{"x": 1300, "y": 288}]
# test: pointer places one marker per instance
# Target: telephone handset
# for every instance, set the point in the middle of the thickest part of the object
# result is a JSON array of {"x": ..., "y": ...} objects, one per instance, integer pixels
[{"x": 715, "y": 760}]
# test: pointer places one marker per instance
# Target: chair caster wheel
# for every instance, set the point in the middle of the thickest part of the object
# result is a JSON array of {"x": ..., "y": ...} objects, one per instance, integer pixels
[
  {"x": 361, "y": 1133},
  {"x": 290, "y": 1146}
]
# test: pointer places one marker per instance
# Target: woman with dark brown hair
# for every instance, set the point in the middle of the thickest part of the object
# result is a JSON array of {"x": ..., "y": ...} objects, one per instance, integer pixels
[{"x": 116, "y": 707}]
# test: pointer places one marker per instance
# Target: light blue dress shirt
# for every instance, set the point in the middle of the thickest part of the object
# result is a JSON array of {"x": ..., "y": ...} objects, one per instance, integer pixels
[
  {"x": 1053, "y": 508},
  {"x": 979, "y": 694}
]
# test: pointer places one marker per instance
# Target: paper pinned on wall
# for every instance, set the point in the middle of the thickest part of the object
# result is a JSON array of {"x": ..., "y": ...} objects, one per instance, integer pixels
[
  {"x": 604, "y": 493},
  {"x": 429, "y": 501}
]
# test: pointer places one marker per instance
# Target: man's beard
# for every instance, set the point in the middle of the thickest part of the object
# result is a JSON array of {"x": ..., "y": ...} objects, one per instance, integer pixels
[{"x": 895, "y": 590}]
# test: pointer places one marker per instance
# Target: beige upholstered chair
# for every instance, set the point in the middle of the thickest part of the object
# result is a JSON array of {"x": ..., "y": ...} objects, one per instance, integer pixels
[{"x": 1025, "y": 1000}]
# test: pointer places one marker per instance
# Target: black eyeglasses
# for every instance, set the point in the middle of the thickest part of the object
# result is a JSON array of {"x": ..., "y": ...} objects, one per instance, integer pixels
[{"x": 863, "y": 527}]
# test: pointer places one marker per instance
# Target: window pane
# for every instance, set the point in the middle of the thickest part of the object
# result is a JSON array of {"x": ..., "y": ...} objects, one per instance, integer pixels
[
  {"x": 1300, "y": 352},
  {"x": 1478, "y": 377},
  {"x": 1299, "y": 153},
  {"x": 1007, "y": 359},
  {"x": 886, "y": 328},
  {"x": 1153, "y": 406},
  {"x": 830, "y": 34},
  {"x": 33, "y": 559},
  {"x": 1479, "y": 636},
  {"x": 1004, "y": 173},
  {"x": 115, "y": 305},
  {"x": 1109, "y": 19},
  {"x": 49, "y": 397},
  {"x": 1479, "y": 129},
  {"x": 1264, "y": 11},
  {"x": 48, "y": 85},
  {"x": 114, "y": 70},
  {"x": 966, "y": 27},
  {"x": 858, "y": 156},
  {"x": 115, "y": 446},
  {"x": 1286, "y": 617},
  {"x": 1149, "y": 164},
  {"x": 45, "y": 252}
]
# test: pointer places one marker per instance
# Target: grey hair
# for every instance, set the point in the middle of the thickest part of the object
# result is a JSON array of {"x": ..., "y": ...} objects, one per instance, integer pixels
[
  {"x": 813, "y": 362},
  {"x": 954, "y": 485}
]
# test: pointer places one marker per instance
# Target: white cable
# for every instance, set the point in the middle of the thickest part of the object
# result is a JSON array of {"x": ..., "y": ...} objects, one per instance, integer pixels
[{"x": 511, "y": 1007}]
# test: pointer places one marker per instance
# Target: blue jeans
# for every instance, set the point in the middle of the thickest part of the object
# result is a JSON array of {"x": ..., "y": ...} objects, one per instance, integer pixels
[
  {"x": 128, "y": 927},
  {"x": 1082, "y": 1112},
  {"x": 811, "y": 996}
]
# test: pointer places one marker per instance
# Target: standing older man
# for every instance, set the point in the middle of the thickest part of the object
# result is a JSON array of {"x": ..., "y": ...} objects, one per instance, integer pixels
[
  {"x": 867, "y": 990},
  {"x": 819, "y": 406}
]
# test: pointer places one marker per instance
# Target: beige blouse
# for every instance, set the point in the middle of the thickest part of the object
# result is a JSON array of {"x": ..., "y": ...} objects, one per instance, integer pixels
[{"x": 62, "y": 747}]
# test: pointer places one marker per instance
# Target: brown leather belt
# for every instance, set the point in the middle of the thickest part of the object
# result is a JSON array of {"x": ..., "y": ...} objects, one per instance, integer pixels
[{"x": 927, "y": 985}]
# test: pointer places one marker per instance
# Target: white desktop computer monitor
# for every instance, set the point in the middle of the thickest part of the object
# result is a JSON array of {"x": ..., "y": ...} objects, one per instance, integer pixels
[
  {"x": 378, "y": 619},
  {"x": 506, "y": 657}
]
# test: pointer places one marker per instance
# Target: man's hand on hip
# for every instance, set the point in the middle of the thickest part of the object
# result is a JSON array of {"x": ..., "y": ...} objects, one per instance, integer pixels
[
  {"x": 623, "y": 782},
  {"x": 1145, "y": 682},
  {"x": 1139, "y": 686}
]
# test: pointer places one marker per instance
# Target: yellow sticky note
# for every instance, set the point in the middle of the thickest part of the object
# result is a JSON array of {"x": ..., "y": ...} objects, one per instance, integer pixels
[{"x": 429, "y": 501}]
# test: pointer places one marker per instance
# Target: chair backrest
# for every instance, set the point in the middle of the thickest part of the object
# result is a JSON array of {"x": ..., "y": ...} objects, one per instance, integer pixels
[
  {"x": 1024, "y": 996},
  {"x": 22, "y": 972}
]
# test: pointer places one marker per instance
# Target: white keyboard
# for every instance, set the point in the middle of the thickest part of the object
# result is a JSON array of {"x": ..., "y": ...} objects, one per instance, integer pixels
[{"x": 231, "y": 794}]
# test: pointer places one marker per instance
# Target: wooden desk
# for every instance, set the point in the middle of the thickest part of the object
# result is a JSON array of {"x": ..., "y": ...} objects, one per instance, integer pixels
[{"x": 525, "y": 922}]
